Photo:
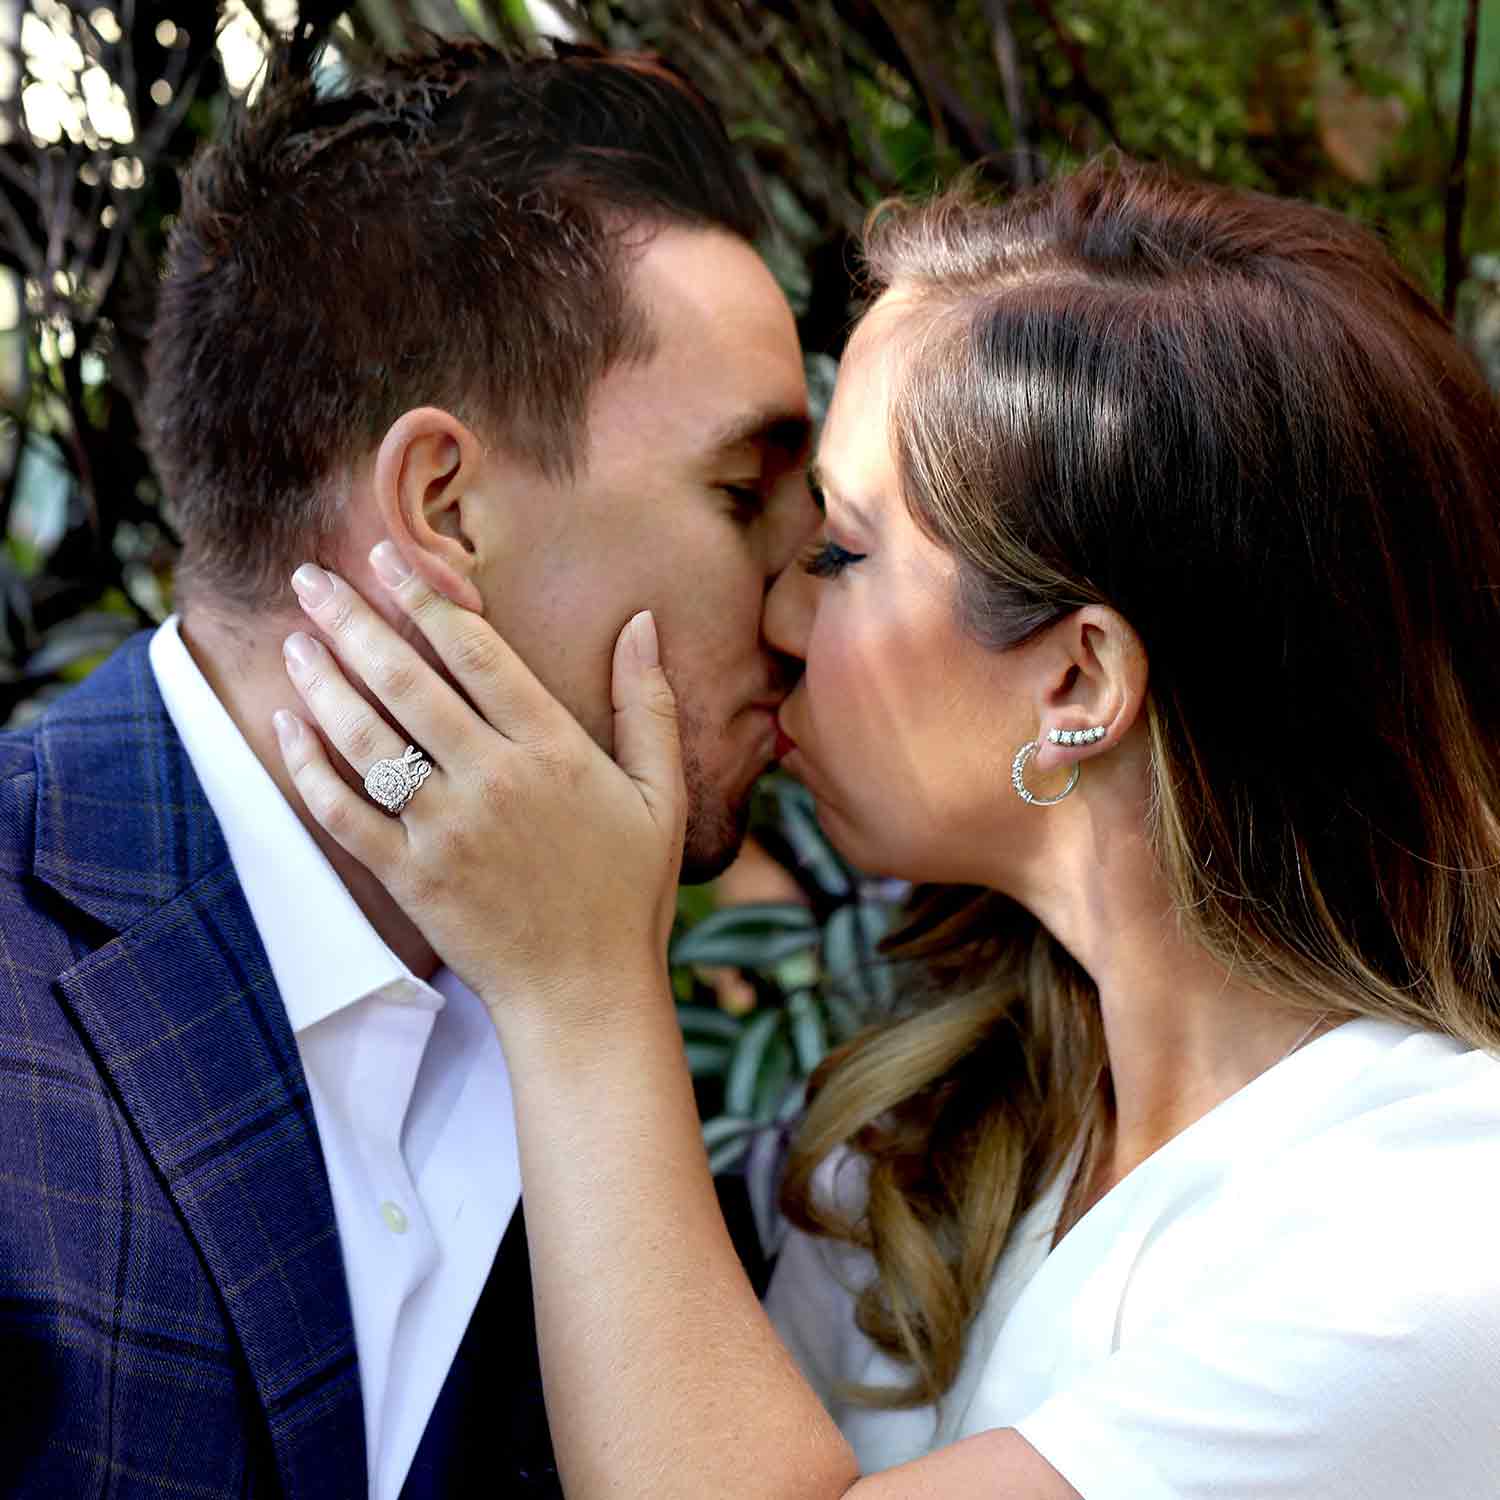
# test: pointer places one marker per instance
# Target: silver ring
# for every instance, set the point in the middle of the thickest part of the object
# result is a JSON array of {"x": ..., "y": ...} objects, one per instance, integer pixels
[{"x": 393, "y": 783}]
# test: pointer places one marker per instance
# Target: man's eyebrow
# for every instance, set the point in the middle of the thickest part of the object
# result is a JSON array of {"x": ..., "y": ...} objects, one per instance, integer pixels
[{"x": 779, "y": 427}]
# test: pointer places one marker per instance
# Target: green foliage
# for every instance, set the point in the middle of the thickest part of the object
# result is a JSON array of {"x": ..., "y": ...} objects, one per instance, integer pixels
[
  {"x": 817, "y": 979},
  {"x": 834, "y": 103}
]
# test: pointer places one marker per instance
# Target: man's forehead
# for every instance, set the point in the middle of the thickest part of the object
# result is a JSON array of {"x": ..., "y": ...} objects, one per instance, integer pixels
[{"x": 724, "y": 368}]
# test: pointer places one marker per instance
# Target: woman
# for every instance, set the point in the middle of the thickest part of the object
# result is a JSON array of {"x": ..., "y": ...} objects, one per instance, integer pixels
[{"x": 1154, "y": 630}]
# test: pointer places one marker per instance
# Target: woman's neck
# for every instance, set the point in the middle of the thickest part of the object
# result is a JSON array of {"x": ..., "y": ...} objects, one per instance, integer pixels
[{"x": 1182, "y": 1031}]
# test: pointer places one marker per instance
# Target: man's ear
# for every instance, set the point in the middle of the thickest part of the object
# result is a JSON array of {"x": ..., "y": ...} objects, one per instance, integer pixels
[
  {"x": 1094, "y": 677},
  {"x": 425, "y": 475}
]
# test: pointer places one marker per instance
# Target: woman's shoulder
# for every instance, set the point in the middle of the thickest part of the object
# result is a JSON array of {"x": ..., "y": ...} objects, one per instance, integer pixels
[
  {"x": 1280, "y": 1300},
  {"x": 1374, "y": 1128},
  {"x": 1362, "y": 1182},
  {"x": 1367, "y": 1084},
  {"x": 1379, "y": 1085},
  {"x": 1401, "y": 1141}
]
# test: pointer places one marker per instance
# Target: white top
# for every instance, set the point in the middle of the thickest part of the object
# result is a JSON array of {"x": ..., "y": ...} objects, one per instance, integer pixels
[
  {"x": 408, "y": 1085},
  {"x": 1297, "y": 1297}
]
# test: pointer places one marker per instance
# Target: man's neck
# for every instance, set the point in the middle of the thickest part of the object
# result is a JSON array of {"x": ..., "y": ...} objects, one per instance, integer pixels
[{"x": 241, "y": 661}]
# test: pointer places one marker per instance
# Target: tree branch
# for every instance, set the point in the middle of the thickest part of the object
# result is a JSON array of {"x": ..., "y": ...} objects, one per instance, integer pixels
[
  {"x": 1013, "y": 86},
  {"x": 1455, "y": 267},
  {"x": 1083, "y": 86},
  {"x": 1333, "y": 17}
]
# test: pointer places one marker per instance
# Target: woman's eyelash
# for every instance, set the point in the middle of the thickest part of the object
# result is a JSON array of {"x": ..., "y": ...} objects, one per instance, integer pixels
[{"x": 829, "y": 560}]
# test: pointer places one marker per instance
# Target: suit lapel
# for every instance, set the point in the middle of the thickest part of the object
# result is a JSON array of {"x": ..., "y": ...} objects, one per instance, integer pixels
[{"x": 182, "y": 1012}]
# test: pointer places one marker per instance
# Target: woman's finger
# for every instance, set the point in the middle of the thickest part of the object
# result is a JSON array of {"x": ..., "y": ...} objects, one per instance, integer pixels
[
  {"x": 353, "y": 823},
  {"x": 648, "y": 747},
  {"x": 427, "y": 708},
  {"x": 499, "y": 684},
  {"x": 349, "y": 721}
]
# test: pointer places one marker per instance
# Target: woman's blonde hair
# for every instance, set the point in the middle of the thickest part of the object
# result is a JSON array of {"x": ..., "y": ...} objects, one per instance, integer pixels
[{"x": 1235, "y": 421}]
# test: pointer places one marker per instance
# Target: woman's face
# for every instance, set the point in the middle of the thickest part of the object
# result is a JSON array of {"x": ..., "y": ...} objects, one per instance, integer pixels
[{"x": 904, "y": 725}]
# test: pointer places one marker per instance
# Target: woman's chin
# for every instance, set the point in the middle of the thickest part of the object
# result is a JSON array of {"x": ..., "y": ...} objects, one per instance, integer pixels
[
  {"x": 870, "y": 851},
  {"x": 853, "y": 841}
]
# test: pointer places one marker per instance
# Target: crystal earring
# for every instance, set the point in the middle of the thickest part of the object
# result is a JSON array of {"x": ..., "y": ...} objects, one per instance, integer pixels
[
  {"x": 1018, "y": 777},
  {"x": 1077, "y": 736}
]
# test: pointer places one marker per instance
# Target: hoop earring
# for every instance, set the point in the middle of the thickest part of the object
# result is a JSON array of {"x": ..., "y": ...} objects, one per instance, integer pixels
[{"x": 1018, "y": 778}]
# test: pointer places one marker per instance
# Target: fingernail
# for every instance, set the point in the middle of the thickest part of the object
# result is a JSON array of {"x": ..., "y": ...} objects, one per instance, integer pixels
[
  {"x": 313, "y": 585},
  {"x": 288, "y": 730},
  {"x": 390, "y": 567},
  {"x": 643, "y": 637},
  {"x": 300, "y": 649}
]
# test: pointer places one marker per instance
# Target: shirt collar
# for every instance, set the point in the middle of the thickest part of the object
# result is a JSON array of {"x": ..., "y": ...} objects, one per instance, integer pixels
[{"x": 324, "y": 954}]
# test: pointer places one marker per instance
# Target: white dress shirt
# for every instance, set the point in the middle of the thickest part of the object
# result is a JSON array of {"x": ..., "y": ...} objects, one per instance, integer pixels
[
  {"x": 1298, "y": 1296},
  {"x": 408, "y": 1085}
]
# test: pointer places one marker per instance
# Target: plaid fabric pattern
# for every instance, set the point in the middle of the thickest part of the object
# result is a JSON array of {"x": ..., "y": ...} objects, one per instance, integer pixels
[{"x": 173, "y": 1313}]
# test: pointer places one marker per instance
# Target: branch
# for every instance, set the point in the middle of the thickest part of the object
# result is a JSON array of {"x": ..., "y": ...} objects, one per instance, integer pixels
[
  {"x": 1333, "y": 17},
  {"x": 1454, "y": 265},
  {"x": 1089, "y": 96},
  {"x": 933, "y": 80},
  {"x": 1008, "y": 61}
]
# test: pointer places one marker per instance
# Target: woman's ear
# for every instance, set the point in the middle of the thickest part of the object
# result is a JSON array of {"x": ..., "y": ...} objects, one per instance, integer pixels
[
  {"x": 1093, "y": 688},
  {"x": 425, "y": 476}
]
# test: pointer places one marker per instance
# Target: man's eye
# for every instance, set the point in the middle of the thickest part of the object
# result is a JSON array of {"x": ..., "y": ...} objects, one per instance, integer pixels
[
  {"x": 748, "y": 500},
  {"x": 829, "y": 560}
]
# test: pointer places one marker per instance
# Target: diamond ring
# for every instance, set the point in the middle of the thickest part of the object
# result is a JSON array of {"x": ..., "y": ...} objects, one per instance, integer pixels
[{"x": 393, "y": 783}]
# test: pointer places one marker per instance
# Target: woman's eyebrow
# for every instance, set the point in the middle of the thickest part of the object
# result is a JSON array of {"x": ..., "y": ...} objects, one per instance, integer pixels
[{"x": 818, "y": 478}]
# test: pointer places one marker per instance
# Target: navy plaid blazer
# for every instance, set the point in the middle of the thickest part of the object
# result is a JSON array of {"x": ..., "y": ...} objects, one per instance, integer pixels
[{"x": 173, "y": 1313}]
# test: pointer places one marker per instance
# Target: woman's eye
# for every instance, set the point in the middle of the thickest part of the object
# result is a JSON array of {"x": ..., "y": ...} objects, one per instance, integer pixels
[{"x": 829, "y": 560}]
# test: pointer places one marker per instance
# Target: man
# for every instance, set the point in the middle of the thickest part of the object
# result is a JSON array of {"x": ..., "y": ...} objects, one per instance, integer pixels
[{"x": 258, "y": 1190}]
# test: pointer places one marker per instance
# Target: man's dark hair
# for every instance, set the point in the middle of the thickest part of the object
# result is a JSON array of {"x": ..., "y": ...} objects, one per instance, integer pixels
[{"x": 451, "y": 229}]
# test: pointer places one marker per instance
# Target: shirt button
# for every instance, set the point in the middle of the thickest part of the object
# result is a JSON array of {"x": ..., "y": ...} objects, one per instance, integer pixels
[{"x": 394, "y": 1216}]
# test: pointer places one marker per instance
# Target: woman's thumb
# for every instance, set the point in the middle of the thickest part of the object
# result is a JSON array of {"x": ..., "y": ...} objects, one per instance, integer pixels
[{"x": 647, "y": 747}]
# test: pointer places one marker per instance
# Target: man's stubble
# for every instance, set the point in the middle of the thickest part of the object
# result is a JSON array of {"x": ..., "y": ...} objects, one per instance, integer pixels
[{"x": 716, "y": 826}]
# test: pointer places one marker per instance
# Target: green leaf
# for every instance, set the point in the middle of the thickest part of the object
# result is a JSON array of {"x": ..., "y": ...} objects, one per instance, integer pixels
[
  {"x": 797, "y": 972},
  {"x": 728, "y": 1155},
  {"x": 694, "y": 904},
  {"x": 707, "y": 1059},
  {"x": 750, "y": 1056},
  {"x": 748, "y": 937},
  {"x": 845, "y": 1018},
  {"x": 85, "y": 638},
  {"x": 726, "y": 1138},
  {"x": 809, "y": 1037},
  {"x": 704, "y": 1022},
  {"x": 851, "y": 938},
  {"x": 809, "y": 843},
  {"x": 773, "y": 1078}
]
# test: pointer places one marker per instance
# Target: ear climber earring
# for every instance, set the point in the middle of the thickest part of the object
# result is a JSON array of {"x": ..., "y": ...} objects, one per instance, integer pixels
[
  {"x": 1077, "y": 736},
  {"x": 1018, "y": 777}
]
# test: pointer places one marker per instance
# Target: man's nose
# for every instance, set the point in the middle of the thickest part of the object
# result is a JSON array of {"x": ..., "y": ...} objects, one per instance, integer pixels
[
  {"x": 796, "y": 522},
  {"x": 787, "y": 614},
  {"x": 787, "y": 619}
]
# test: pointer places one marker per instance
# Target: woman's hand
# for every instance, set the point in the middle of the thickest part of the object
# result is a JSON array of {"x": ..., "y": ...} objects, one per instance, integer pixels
[{"x": 541, "y": 871}]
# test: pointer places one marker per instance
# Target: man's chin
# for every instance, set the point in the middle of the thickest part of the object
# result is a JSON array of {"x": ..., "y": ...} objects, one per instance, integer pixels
[{"x": 715, "y": 835}]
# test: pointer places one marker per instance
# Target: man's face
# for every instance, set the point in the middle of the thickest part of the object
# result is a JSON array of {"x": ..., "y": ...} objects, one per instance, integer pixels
[{"x": 689, "y": 500}]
